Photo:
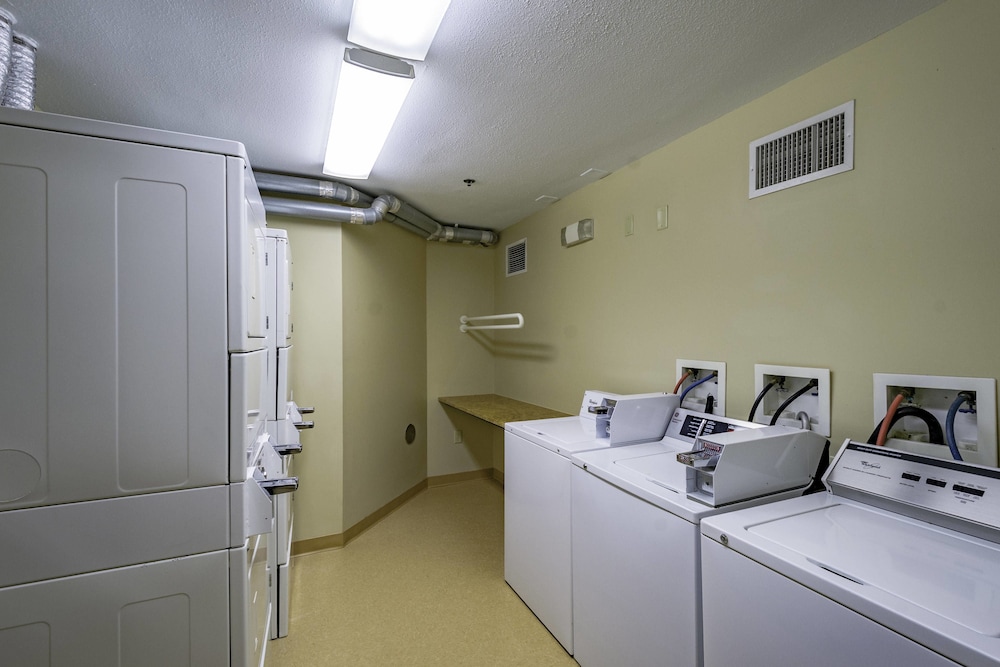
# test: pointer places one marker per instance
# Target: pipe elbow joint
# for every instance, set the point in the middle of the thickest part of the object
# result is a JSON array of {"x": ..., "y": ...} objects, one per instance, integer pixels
[
  {"x": 364, "y": 216},
  {"x": 391, "y": 204},
  {"x": 383, "y": 205}
]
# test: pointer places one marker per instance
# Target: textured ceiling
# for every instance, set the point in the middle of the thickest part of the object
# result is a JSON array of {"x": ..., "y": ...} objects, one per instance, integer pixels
[{"x": 523, "y": 95}]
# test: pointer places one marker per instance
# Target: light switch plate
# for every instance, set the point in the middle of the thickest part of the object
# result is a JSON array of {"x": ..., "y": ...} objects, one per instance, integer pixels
[{"x": 662, "y": 217}]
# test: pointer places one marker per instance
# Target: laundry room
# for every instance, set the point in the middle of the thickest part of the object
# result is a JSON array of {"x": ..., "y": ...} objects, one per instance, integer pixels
[{"x": 618, "y": 232}]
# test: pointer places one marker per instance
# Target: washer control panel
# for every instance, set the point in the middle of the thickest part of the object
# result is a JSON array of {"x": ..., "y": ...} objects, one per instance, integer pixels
[{"x": 962, "y": 490}]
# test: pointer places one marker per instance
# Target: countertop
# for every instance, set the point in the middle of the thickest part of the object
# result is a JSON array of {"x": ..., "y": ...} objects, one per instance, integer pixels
[{"x": 498, "y": 410}]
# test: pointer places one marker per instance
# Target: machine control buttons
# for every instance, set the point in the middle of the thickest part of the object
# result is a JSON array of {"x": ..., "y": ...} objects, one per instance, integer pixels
[
  {"x": 910, "y": 476},
  {"x": 961, "y": 488},
  {"x": 951, "y": 493}
]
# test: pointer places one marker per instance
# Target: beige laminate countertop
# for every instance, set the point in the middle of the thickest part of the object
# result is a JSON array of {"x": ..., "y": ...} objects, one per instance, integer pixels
[{"x": 498, "y": 410}]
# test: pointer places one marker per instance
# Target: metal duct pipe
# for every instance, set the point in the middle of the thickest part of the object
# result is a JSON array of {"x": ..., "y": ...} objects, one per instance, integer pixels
[
  {"x": 408, "y": 226},
  {"x": 403, "y": 215},
  {"x": 310, "y": 187},
  {"x": 467, "y": 236},
  {"x": 439, "y": 232},
  {"x": 300, "y": 208},
  {"x": 419, "y": 219}
]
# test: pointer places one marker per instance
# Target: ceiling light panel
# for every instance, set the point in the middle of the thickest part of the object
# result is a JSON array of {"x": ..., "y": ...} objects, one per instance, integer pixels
[
  {"x": 403, "y": 28},
  {"x": 369, "y": 97}
]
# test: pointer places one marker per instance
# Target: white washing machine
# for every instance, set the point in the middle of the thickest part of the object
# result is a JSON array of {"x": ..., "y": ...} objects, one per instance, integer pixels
[
  {"x": 537, "y": 510},
  {"x": 636, "y": 540},
  {"x": 897, "y": 564}
]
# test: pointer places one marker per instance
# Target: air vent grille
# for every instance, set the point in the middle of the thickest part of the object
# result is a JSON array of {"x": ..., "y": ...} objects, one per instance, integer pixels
[
  {"x": 815, "y": 148},
  {"x": 517, "y": 257}
]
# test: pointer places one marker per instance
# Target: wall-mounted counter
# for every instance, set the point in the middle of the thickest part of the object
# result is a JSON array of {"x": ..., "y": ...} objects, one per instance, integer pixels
[{"x": 498, "y": 410}]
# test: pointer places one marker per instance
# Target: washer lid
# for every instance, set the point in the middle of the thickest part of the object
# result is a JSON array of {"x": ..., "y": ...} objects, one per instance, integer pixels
[
  {"x": 947, "y": 573},
  {"x": 563, "y": 435},
  {"x": 661, "y": 469}
]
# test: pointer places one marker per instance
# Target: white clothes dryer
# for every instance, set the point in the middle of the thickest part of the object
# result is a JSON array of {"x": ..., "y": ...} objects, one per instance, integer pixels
[
  {"x": 636, "y": 544},
  {"x": 537, "y": 560},
  {"x": 130, "y": 393},
  {"x": 897, "y": 564}
]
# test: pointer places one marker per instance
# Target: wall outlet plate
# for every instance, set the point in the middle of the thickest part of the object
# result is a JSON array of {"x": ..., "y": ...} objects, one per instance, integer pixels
[
  {"x": 815, "y": 403},
  {"x": 662, "y": 217},
  {"x": 697, "y": 399},
  {"x": 975, "y": 433}
]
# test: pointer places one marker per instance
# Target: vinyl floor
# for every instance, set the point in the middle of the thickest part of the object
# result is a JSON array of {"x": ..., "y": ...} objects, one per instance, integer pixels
[{"x": 424, "y": 586}]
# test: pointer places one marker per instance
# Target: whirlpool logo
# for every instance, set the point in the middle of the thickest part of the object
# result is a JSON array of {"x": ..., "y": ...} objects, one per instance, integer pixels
[{"x": 870, "y": 465}]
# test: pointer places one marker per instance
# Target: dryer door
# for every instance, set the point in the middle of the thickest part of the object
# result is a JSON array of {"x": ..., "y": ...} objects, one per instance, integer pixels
[{"x": 113, "y": 377}]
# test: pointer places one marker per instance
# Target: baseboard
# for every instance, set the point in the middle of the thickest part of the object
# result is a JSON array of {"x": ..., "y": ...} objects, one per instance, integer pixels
[
  {"x": 382, "y": 512},
  {"x": 341, "y": 539},
  {"x": 455, "y": 478},
  {"x": 314, "y": 544}
]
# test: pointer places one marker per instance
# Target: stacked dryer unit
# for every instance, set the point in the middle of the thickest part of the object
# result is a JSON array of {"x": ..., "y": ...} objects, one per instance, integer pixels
[
  {"x": 134, "y": 516},
  {"x": 284, "y": 417}
]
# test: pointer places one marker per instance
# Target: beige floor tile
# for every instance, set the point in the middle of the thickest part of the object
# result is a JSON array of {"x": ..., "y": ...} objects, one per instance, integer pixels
[{"x": 422, "y": 587}]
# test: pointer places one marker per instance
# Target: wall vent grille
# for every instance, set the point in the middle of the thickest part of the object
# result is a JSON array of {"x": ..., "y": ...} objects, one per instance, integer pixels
[
  {"x": 818, "y": 147},
  {"x": 517, "y": 257}
]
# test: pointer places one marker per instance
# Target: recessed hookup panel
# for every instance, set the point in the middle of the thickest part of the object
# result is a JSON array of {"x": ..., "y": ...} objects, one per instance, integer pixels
[
  {"x": 974, "y": 423},
  {"x": 697, "y": 397},
  {"x": 812, "y": 386}
]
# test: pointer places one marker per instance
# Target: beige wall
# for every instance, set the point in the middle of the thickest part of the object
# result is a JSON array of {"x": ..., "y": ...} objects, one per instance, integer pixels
[
  {"x": 317, "y": 377},
  {"x": 888, "y": 268},
  {"x": 360, "y": 358},
  {"x": 459, "y": 282},
  {"x": 385, "y": 366}
]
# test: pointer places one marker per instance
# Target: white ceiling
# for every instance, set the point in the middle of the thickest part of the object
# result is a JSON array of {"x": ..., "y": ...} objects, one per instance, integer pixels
[{"x": 521, "y": 95}]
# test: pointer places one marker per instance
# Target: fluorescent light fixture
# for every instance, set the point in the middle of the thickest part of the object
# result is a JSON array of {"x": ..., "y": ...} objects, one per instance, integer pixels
[
  {"x": 370, "y": 93},
  {"x": 403, "y": 28}
]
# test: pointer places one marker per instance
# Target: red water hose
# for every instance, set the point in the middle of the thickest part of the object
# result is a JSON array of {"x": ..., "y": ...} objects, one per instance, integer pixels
[
  {"x": 681, "y": 381},
  {"x": 883, "y": 431}
]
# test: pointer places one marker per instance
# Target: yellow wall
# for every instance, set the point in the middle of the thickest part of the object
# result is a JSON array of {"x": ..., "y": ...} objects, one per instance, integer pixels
[
  {"x": 360, "y": 358},
  {"x": 317, "y": 377},
  {"x": 385, "y": 366},
  {"x": 459, "y": 282},
  {"x": 888, "y": 268}
]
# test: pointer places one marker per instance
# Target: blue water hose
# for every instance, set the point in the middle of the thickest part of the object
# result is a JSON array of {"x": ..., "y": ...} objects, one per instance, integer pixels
[
  {"x": 949, "y": 424},
  {"x": 695, "y": 384}
]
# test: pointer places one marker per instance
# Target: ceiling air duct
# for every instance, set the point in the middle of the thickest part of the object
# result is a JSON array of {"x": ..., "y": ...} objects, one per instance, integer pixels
[{"x": 336, "y": 202}]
